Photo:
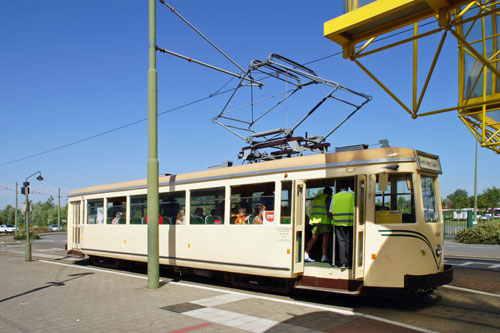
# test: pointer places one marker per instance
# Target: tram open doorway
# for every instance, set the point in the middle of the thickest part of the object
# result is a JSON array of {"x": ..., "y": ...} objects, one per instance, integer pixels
[{"x": 329, "y": 275}]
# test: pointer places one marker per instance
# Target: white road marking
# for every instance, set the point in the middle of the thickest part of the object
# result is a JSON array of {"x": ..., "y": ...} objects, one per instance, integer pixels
[
  {"x": 470, "y": 291},
  {"x": 464, "y": 263},
  {"x": 472, "y": 263},
  {"x": 219, "y": 300},
  {"x": 95, "y": 269},
  {"x": 297, "y": 303},
  {"x": 233, "y": 319}
]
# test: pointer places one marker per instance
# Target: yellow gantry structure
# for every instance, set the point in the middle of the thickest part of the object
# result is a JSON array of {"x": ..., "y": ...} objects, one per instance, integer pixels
[{"x": 474, "y": 24}]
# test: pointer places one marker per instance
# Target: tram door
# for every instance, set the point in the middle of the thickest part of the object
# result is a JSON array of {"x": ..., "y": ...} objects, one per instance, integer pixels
[
  {"x": 359, "y": 228},
  {"x": 299, "y": 214},
  {"x": 76, "y": 208}
]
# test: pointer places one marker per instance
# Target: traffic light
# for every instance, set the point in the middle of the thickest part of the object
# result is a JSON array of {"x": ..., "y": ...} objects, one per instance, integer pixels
[{"x": 26, "y": 185}]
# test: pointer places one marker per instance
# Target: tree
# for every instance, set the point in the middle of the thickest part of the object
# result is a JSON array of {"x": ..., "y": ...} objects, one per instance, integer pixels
[
  {"x": 490, "y": 198},
  {"x": 7, "y": 215},
  {"x": 42, "y": 214},
  {"x": 459, "y": 199},
  {"x": 404, "y": 205}
]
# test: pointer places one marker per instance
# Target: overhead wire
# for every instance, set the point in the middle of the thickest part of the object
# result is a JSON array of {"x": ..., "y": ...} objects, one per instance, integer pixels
[
  {"x": 114, "y": 129},
  {"x": 217, "y": 93},
  {"x": 7, "y": 188}
]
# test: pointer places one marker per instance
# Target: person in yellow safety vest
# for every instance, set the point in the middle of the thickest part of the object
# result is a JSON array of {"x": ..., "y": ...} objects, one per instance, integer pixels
[
  {"x": 342, "y": 210},
  {"x": 320, "y": 222}
]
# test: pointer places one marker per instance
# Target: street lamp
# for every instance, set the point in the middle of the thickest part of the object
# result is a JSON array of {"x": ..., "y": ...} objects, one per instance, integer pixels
[{"x": 26, "y": 190}]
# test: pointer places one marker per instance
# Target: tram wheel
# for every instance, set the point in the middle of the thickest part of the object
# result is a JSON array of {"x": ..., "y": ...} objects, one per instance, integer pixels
[{"x": 423, "y": 292}]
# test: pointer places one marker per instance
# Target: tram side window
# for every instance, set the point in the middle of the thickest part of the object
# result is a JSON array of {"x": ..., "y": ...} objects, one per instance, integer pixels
[
  {"x": 394, "y": 199},
  {"x": 138, "y": 209},
  {"x": 429, "y": 199},
  {"x": 172, "y": 206},
  {"x": 95, "y": 211},
  {"x": 207, "y": 206},
  {"x": 253, "y": 204},
  {"x": 117, "y": 208},
  {"x": 286, "y": 203}
]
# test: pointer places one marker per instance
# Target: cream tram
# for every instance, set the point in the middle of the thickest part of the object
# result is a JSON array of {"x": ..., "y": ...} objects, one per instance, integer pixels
[{"x": 398, "y": 225}]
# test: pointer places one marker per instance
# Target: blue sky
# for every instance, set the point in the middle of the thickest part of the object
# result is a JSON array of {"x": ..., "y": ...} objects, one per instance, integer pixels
[{"x": 70, "y": 70}]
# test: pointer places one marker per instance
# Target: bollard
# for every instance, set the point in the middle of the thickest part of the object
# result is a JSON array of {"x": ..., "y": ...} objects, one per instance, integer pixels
[{"x": 470, "y": 223}]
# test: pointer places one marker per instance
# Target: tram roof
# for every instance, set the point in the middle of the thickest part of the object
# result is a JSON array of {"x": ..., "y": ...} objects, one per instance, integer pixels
[{"x": 309, "y": 162}]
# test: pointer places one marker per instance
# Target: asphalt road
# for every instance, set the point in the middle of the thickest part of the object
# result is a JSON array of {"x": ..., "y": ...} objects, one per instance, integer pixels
[
  {"x": 49, "y": 243},
  {"x": 470, "y": 255}
]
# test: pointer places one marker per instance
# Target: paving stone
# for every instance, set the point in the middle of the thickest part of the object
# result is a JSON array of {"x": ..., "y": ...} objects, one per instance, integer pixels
[{"x": 43, "y": 297}]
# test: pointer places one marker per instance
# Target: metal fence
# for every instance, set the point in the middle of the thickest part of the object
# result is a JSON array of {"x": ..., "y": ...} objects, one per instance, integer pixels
[{"x": 455, "y": 221}]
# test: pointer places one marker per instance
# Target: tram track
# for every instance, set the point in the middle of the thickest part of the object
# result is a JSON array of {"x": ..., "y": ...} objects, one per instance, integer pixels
[
  {"x": 370, "y": 300},
  {"x": 444, "y": 306},
  {"x": 423, "y": 300}
]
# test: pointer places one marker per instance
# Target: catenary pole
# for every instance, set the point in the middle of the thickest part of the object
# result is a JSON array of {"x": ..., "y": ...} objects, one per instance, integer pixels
[
  {"x": 58, "y": 209},
  {"x": 15, "y": 212},
  {"x": 475, "y": 186},
  {"x": 27, "y": 246},
  {"x": 153, "y": 165}
]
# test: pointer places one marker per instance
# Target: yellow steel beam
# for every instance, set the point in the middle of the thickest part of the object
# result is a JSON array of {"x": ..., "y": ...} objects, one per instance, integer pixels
[
  {"x": 374, "y": 78},
  {"x": 461, "y": 107},
  {"x": 373, "y": 19},
  {"x": 383, "y": 16},
  {"x": 415, "y": 67},
  {"x": 431, "y": 70},
  {"x": 401, "y": 42}
]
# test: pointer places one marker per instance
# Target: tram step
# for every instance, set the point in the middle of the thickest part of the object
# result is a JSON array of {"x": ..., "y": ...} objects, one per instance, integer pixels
[
  {"x": 330, "y": 290},
  {"x": 341, "y": 286}
]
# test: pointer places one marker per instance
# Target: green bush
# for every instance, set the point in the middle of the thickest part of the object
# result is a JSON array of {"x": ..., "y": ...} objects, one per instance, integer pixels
[
  {"x": 22, "y": 235},
  {"x": 488, "y": 233}
]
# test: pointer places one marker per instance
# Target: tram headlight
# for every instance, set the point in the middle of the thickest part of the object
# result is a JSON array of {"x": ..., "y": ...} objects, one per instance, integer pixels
[{"x": 439, "y": 250}]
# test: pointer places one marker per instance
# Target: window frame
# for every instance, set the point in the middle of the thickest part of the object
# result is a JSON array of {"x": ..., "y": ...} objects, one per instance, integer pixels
[
  {"x": 87, "y": 211},
  {"x": 204, "y": 217},
  {"x": 413, "y": 200},
  {"x": 435, "y": 189}
]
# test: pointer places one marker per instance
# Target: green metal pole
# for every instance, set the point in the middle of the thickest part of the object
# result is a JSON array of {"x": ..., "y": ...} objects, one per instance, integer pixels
[
  {"x": 153, "y": 165},
  {"x": 475, "y": 187},
  {"x": 58, "y": 209},
  {"x": 27, "y": 248},
  {"x": 15, "y": 213}
]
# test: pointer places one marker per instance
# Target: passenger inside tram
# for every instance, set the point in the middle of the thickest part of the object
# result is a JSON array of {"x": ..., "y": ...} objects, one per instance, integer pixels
[
  {"x": 197, "y": 217},
  {"x": 315, "y": 249},
  {"x": 251, "y": 198},
  {"x": 213, "y": 218},
  {"x": 180, "y": 217},
  {"x": 117, "y": 218},
  {"x": 258, "y": 217},
  {"x": 320, "y": 220},
  {"x": 342, "y": 211},
  {"x": 241, "y": 218}
]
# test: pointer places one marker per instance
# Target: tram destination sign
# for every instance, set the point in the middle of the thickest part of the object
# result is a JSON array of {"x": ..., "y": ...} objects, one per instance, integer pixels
[{"x": 428, "y": 162}]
